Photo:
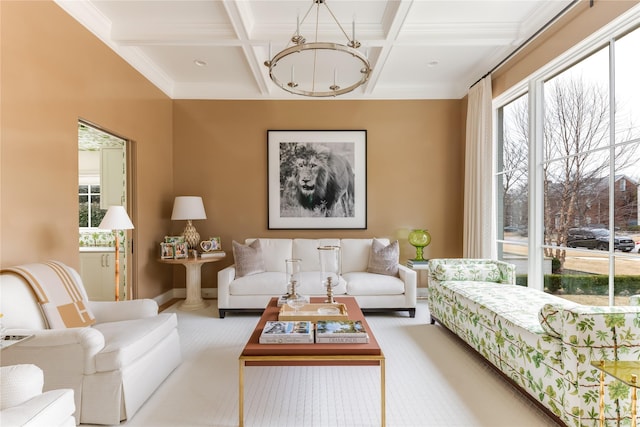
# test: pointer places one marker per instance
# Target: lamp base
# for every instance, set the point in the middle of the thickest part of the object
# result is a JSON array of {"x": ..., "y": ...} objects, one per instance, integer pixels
[{"x": 191, "y": 236}]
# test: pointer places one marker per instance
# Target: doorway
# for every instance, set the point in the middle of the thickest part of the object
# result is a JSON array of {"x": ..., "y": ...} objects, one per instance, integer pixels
[{"x": 104, "y": 161}]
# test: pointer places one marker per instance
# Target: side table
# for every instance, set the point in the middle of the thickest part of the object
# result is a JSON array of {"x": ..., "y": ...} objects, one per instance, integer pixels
[
  {"x": 625, "y": 371},
  {"x": 194, "y": 300},
  {"x": 422, "y": 272}
]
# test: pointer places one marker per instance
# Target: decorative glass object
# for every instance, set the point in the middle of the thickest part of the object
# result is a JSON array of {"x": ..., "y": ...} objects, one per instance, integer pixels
[
  {"x": 296, "y": 302},
  {"x": 330, "y": 266},
  {"x": 293, "y": 276},
  {"x": 419, "y": 239}
]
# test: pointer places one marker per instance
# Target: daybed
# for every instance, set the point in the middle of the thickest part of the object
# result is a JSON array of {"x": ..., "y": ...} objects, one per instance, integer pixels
[
  {"x": 542, "y": 343},
  {"x": 113, "y": 363},
  {"x": 376, "y": 288}
]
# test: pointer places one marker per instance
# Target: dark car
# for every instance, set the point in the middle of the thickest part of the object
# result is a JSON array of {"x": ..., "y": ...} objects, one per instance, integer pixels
[{"x": 597, "y": 238}]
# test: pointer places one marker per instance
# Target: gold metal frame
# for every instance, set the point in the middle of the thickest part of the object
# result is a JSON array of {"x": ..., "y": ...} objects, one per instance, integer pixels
[{"x": 283, "y": 360}]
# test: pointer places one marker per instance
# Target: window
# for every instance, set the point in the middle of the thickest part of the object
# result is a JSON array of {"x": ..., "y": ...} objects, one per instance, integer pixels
[
  {"x": 89, "y": 199},
  {"x": 582, "y": 183}
]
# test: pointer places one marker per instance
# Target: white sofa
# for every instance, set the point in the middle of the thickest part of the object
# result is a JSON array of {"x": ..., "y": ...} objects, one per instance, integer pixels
[
  {"x": 23, "y": 404},
  {"x": 374, "y": 292},
  {"x": 112, "y": 366}
]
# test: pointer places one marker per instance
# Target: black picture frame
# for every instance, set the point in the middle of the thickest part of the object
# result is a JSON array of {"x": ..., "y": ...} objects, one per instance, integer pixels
[{"x": 317, "y": 179}]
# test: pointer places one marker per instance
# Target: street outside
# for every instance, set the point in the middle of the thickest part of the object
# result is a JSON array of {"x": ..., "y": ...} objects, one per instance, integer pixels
[{"x": 590, "y": 261}]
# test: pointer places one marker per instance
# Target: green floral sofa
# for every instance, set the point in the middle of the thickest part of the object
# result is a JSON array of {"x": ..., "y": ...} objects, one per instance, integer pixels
[{"x": 543, "y": 343}]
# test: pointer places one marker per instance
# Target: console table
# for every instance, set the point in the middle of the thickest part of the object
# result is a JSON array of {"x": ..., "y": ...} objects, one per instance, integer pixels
[{"x": 193, "y": 266}]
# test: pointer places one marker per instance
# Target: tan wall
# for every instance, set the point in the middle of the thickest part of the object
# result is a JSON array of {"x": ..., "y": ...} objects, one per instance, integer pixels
[
  {"x": 55, "y": 72},
  {"x": 414, "y": 167},
  {"x": 568, "y": 31}
]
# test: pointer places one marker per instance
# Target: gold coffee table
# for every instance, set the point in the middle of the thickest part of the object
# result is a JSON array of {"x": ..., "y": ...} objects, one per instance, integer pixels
[
  {"x": 624, "y": 371},
  {"x": 256, "y": 354}
]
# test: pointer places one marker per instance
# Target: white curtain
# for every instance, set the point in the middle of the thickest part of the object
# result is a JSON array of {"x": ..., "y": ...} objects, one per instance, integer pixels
[{"x": 478, "y": 188}]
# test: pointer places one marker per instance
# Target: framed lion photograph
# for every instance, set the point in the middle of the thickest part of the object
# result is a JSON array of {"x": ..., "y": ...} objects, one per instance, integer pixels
[{"x": 317, "y": 179}]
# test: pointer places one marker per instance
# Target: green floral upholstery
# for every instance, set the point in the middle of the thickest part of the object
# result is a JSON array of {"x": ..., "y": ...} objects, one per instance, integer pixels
[{"x": 542, "y": 342}]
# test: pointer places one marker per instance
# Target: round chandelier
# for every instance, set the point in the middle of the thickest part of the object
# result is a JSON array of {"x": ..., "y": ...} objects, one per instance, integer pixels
[{"x": 319, "y": 69}]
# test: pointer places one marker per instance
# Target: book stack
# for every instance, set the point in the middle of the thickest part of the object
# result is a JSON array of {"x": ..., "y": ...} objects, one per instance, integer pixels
[
  {"x": 341, "y": 331},
  {"x": 287, "y": 332},
  {"x": 212, "y": 254},
  {"x": 413, "y": 262}
]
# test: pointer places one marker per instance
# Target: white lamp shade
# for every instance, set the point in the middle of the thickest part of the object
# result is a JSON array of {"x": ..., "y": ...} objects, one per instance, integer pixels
[
  {"x": 116, "y": 218},
  {"x": 188, "y": 207}
]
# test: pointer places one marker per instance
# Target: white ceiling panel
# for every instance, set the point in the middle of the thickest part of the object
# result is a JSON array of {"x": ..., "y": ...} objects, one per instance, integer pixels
[{"x": 419, "y": 49}]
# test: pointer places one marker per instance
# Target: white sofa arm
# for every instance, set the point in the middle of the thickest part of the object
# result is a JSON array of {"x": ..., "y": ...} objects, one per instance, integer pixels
[
  {"x": 115, "y": 311},
  {"x": 225, "y": 277},
  {"x": 410, "y": 279},
  {"x": 65, "y": 350},
  {"x": 19, "y": 383},
  {"x": 49, "y": 409}
]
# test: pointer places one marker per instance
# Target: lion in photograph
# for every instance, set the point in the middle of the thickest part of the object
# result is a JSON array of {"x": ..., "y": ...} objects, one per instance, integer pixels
[{"x": 323, "y": 181}]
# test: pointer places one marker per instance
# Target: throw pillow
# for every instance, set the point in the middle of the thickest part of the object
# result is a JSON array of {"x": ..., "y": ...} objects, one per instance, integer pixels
[
  {"x": 550, "y": 318},
  {"x": 469, "y": 272},
  {"x": 248, "y": 258},
  {"x": 384, "y": 259}
]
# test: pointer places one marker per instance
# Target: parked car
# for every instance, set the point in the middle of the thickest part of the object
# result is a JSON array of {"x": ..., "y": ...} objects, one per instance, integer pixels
[{"x": 597, "y": 238}]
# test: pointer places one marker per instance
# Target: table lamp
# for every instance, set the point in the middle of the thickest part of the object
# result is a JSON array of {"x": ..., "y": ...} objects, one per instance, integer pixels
[
  {"x": 116, "y": 219},
  {"x": 189, "y": 208}
]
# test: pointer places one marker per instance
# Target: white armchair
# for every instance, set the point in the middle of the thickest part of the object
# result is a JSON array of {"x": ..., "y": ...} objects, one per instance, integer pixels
[
  {"x": 22, "y": 402},
  {"x": 112, "y": 366}
]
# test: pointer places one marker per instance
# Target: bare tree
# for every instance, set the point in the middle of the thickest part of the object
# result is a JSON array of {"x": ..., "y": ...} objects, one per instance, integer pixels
[{"x": 576, "y": 153}]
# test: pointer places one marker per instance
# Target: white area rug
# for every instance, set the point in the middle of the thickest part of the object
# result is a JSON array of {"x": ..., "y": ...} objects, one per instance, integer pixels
[{"x": 432, "y": 380}]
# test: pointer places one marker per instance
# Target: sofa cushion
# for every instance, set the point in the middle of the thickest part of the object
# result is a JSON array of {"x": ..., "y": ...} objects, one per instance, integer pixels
[
  {"x": 307, "y": 251},
  {"x": 310, "y": 284},
  {"x": 272, "y": 283},
  {"x": 384, "y": 259},
  {"x": 274, "y": 253},
  {"x": 362, "y": 283},
  {"x": 128, "y": 340},
  {"x": 248, "y": 258},
  {"x": 355, "y": 253},
  {"x": 477, "y": 272}
]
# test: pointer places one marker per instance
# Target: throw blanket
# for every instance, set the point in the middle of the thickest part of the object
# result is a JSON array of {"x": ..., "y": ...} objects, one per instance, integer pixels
[{"x": 58, "y": 293}]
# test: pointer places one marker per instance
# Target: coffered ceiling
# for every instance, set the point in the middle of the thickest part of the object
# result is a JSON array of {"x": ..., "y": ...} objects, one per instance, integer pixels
[{"x": 215, "y": 49}]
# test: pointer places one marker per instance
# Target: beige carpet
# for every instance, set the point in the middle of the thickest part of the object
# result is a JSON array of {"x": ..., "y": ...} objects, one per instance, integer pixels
[{"x": 432, "y": 380}]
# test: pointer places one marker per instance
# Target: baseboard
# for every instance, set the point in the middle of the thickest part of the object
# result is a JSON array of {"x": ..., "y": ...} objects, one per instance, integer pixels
[
  {"x": 421, "y": 293},
  {"x": 181, "y": 293}
]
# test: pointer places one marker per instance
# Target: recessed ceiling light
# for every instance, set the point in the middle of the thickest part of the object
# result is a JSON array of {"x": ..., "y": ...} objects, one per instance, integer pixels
[
  {"x": 200, "y": 62},
  {"x": 433, "y": 63}
]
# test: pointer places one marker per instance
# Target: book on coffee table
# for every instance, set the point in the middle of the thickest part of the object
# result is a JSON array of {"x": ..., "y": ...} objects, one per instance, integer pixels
[
  {"x": 286, "y": 332},
  {"x": 341, "y": 331}
]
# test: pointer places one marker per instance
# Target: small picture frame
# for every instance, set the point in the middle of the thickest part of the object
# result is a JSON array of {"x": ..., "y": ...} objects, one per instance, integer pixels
[
  {"x": 181, "y": 250},
  {"x": 173, "y": 239},
  {"x": 167, "y": 250},
  {"x": 216, "y": 243},
  {"x": 211, "y": 244}
]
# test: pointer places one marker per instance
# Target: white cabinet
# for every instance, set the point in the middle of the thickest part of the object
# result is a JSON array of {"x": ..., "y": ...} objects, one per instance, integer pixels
[
  {"x": 112, "y": 177},
  {"x": 98, "y": 273}
]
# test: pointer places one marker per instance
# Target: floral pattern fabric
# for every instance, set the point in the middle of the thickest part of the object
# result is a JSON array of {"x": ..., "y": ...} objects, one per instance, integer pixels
[{"x": 543, "y": 343}]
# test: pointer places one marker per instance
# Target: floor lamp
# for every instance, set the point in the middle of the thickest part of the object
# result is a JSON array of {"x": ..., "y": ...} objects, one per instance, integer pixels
[{"x": 116, "y": 219}]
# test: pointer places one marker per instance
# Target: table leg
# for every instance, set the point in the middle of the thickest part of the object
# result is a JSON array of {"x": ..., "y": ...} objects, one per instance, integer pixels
[
  {"x": 383, "y": 403},
  {"x": 601, "y": 398},
  {"x": 194, "y": 299},
  {"x": 634, "y": 401},
  {"x": 241, "y": 396}
]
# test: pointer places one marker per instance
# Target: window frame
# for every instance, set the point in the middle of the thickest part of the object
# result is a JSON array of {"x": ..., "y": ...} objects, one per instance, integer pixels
[{"x": 533, "y": 85}]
